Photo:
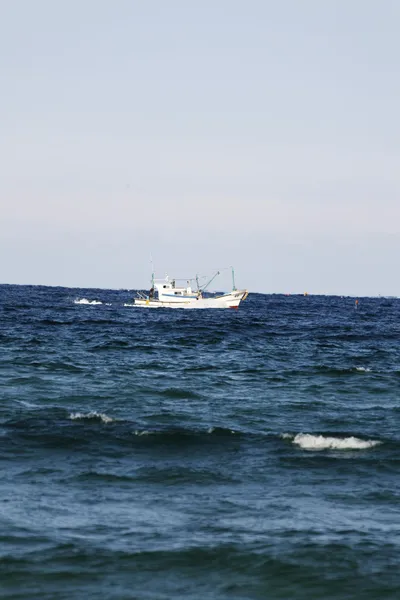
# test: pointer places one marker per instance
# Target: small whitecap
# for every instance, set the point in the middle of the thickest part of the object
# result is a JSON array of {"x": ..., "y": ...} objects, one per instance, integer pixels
[
  {"x": 91, "y": 415},
  {"x": 308, "y": 441},
  {"x": 86, "y": 301},
  {"x": 363, "y": 369},
  {"x": 287, "y": 436}
]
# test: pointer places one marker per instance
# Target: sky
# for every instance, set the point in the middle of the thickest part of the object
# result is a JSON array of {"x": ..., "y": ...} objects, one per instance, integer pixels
[{"x": 259, "y": 134}]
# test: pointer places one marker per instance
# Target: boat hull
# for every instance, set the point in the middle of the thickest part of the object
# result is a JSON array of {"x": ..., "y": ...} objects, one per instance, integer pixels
[{"x": 231, "y": 300}]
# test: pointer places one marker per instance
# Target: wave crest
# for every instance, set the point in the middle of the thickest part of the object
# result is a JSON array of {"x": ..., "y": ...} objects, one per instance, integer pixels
[
  {"x": 307, "y": 441},
  {"x": 86, "y": 301},
  {"x": 91, "y": 415}
]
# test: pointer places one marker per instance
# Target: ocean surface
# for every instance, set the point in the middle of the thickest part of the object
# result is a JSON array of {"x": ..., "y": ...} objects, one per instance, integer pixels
[{"x": 198, "y": 454}]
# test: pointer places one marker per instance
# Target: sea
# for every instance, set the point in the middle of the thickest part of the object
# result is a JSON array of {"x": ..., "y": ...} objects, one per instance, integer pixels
[{"x": 198, "y": 454}]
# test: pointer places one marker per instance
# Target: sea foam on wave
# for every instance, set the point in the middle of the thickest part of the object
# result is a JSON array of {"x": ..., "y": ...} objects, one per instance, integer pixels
[
  {"x": 220, "y": 430},
  {"x": 86, "y": 301},
  {"x": 308, "y": 441},
  {"x": 91, "y": 415}
]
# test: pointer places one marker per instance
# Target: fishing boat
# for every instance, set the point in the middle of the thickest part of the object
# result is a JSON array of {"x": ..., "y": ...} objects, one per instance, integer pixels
[{"x": 167, "y": 293}]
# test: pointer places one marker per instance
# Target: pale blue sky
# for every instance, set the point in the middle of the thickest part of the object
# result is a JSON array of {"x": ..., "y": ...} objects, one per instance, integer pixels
[{"x": 262, "y": 134}]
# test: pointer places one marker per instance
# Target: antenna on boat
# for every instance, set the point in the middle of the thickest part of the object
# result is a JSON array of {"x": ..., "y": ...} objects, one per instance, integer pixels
[{"x": 233, "y": 280}]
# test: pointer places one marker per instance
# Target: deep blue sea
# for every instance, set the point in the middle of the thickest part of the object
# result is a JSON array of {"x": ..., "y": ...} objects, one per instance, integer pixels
[{"x": 198, "y": 454}]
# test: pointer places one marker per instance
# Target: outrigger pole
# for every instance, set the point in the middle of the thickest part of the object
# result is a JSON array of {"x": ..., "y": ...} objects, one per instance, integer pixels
[{"x": 212, "y": 279}]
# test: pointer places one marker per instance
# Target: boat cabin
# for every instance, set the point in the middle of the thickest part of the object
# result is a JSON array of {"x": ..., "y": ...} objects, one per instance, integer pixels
[{"x": 168, "y": 291}]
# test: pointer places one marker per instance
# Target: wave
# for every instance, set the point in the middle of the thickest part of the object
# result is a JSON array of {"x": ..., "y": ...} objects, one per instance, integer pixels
[
  {"x": 91, "y": 415},
  {"x": 144, "y": 432},
  {"x": 182, "y": 433},
  {"x": 113, "y": 345},
  {"x": 98, "y": 430},
  {"x": 200, "y": 368},
  {"x": 308, "y": 441},
  {"x": 105, "y": 477},
  {"x": 27, "y": 404},
  {"x": 338, "y": 371},
  {"x": 179, "y": 393},
  {"x": 54, "y": 322},
  {"x": 220, "y": 431},
  {"x": 86, "y": 301}
]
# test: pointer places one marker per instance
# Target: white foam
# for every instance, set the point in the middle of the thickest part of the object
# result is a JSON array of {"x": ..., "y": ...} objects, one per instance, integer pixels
[
  {"x": 86, "y": 301},
  {"x": 127, "y": 304},
  {"x": 363, "y": 369},
  {"x": 91, "y": 415},
  {"x": 308, "y": 441}
]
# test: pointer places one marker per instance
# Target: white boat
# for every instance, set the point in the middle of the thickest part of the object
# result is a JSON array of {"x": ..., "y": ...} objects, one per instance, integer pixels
[{"x": 165, "y": 293}]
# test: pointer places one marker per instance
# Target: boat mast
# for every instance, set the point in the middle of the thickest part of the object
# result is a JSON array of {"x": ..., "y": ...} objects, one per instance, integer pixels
[
  {"x": 152, "y": 271},
  {"x": 233, "y": 280}
]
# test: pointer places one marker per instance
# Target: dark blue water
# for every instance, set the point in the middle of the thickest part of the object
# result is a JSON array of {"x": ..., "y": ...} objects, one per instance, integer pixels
[{"x": 158, "y": 454}]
